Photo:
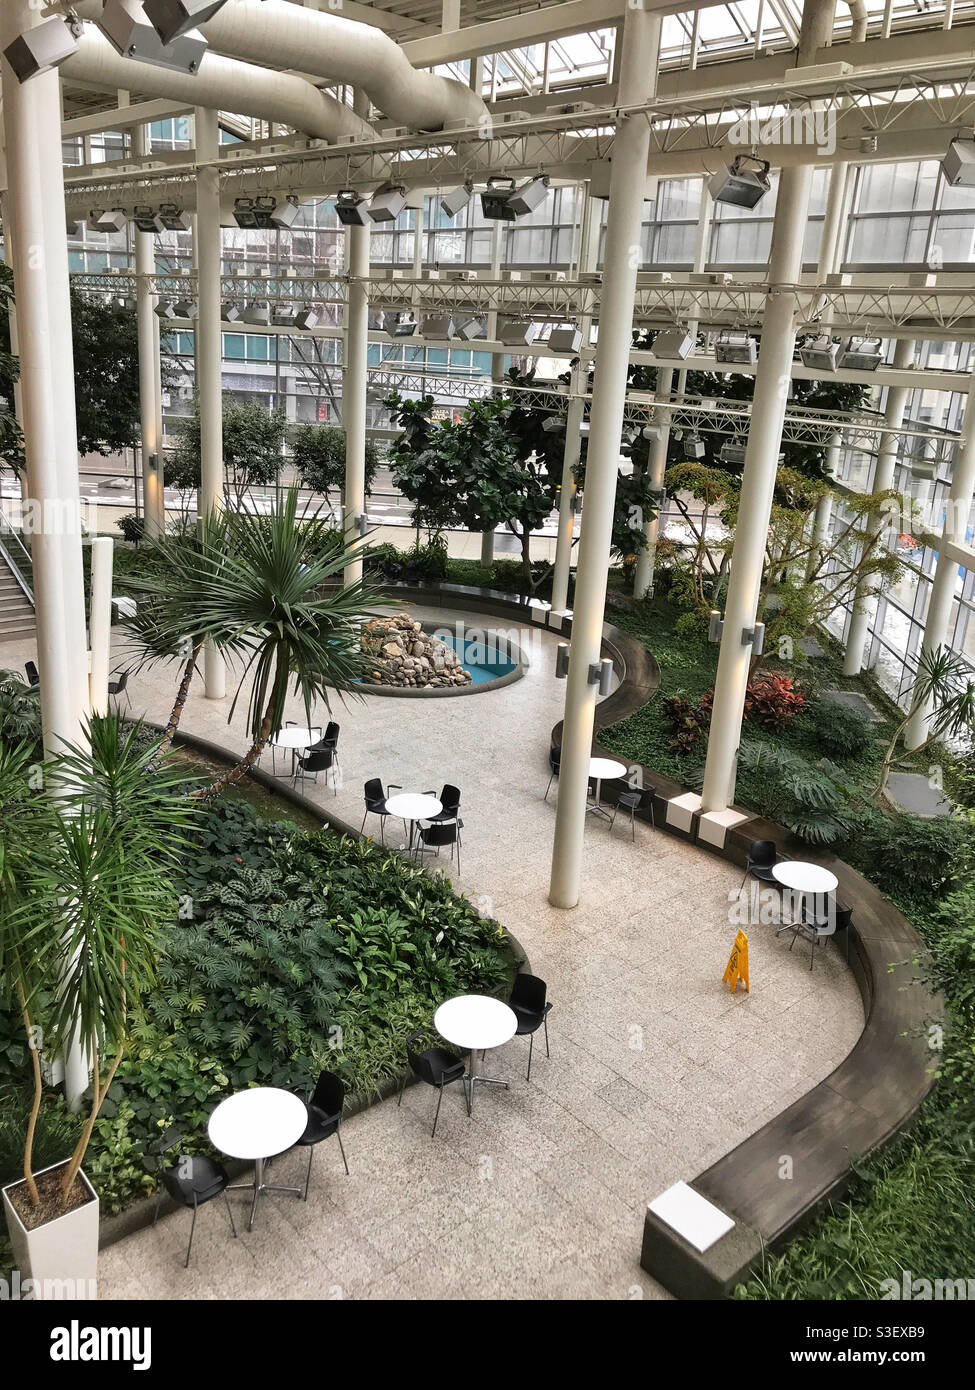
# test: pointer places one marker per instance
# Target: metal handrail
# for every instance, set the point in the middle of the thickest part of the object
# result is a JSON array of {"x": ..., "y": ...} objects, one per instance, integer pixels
[{"x": 21, "y": 567}]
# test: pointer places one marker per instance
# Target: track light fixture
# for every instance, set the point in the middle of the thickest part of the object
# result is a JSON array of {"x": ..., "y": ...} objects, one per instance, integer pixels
[
  {"x": 470, "y": 329},
  {"x": 739, "y": 184},
  {"x": 387, "y": 203},
  {"x": 518, "y": 333},
  {"x": 245, "y": 214},
  {"x": 454, "y": 202},
  {"x": 231, "y": 313},
  {"x": 958, "y": 165},
  {"x": 44, "y": 47},
  {"x": 862, "y": 354},
  {"x": 171, "y": 19},
  {"x": 351, "y": 208},
  {"x": 495, "y": 199},
  {"x": 565, "y": 340},
  {"x": 529, "y": 196},
  {"x": 821, "y": 351},
  {"x": 173, "y": 218},
  {"x": 735, "y": 346},
  {"x": 405, "y": 326},
  {"x": 694, "y": 447},
  {"x": 147, "y": 220},
  {"x": 130, "y": 32},
  {"x": 285, "y": 213},
  {"x": 673, "y": 342},
  {"x": 309, "y": 317},
  {"x": 732, "y": 453},
  {"x": 166, "y": 309},
  {"x": 259, "y": 312},
  {"x": 115, "y": 220},
  {"x": 437, "y": 326},
  {"x": 186, "y": 309}
]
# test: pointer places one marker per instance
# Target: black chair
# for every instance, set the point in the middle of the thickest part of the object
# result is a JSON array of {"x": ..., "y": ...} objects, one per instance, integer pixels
[
  {"x": 436, "y": 1066},
  {"x": 375, "y": 799},
  {"x": 121, "y": 687},
  {"x": 440, "y": 833},
  {"x": 555, "y": 763},
  {"x": 450, "y": 801},
  {"x": 314, "y": 761},
  {"x": 32, "y": 676},
  {"x": 192, "y": 1181},
  {"x": 324, "y": 1119},
  {"x": 329, "y": 740},
  {"x": 531, "y": 1010},
  {"x": 762, "y": 856},
  {"x": 842, "y": 918},
  {"x": 633, "y": 801}
]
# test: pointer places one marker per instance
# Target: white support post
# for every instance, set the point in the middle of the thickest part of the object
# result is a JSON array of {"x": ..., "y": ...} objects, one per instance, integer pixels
[
  {"x": 354, "y": 376},
  {"x": 34, "y": 219},
  {"x": 150, "y": 389},
  {"x": 942, "y": 596},
  {"x": 772, "y": 377},
  {"x": 497, "y": 366},
  {"x": 883, "y": 478},
  {"x": 638, "y": 78},
  {"x": 656, "y": 468},
  {"x": 823, "y": 516},
  {"x": 100, "y": 622},
  {"x": 209, "y": 351}
]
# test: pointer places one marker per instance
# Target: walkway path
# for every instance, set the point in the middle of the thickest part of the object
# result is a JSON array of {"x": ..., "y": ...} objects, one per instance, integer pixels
[{"x": 655, "y": 1069}]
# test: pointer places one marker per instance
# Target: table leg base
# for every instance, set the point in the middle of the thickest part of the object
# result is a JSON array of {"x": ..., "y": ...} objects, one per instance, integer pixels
[{"x": 258, "y": 1190}]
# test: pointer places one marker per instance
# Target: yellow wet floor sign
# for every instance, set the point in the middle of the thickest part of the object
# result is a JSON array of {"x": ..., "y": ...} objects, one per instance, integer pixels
[{"x": 737, "y": 968}]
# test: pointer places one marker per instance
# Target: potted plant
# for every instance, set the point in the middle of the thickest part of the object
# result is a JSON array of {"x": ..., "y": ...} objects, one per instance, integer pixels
[{"x": 88, "y": 846}]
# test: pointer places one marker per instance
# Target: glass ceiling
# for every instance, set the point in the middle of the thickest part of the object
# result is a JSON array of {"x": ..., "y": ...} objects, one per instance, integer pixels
[{"x": 722, "y": 31}]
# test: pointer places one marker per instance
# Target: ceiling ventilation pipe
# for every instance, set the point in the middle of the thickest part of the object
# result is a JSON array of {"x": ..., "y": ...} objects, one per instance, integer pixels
[
  {"x": 222, "y": 84},
  {"x": 858, "y": 15}
]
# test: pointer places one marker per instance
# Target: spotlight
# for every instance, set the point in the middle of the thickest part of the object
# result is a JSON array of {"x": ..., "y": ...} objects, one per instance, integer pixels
[
  {"x": 259, "y": 312},
  {"x": 147, "y": 221},
  {"x": 166, "y": 308},
  {"x": 114, "y": 221},
  {"x": 734, "y": 346},
  {"x": 405, "y": 326},
  {"x": 740, "y": 185},
  {"x": 171, "y": 19},
  {"x": 285, "y": 213},
  {"x": 821, "y": 351},
  {"x": 285, "y": 316},
  {"x": 565, "y": 339},
  {"x": 453, "y": 203},
  {"x": 958, "y": 164},
  {"x": 554, "y": 424},
  {"x": 862, "y": 354},
  {"x": 74, "y": 228},
  {"x": 173, "y": 218},
  {"x": 309, "y": 317},
  {"x": 732, "y": 453},
  {"x": 529, "y": 196},
  {"x": 518, "y": 334},
  {"x": 673, "y": 342},
  {"x": 231, "y": 313},
  {"x": 264, "y": 208},
  {"x": 387, "y": 203},
  {"x": 245, "y": 214},
  {"x": 42, "y": 48},
  {"x": 351, "y": 209},
  {"x": 494, "y": 200},
  {"x": 694, "y": 447},
  {"x": 437, "y": 326},
  {"x": 124, "y": 24},
  {"x": 186, "y": 309},
  {"x": 470, "y": 329}
]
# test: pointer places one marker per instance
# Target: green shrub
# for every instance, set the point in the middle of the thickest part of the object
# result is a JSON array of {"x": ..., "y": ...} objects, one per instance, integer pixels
[
  {"x": 422, "y": 564},
  {"x": 838, "y": 730},
  {"x": 132, "y": 527},
  {"x": 911, "y": 856}
]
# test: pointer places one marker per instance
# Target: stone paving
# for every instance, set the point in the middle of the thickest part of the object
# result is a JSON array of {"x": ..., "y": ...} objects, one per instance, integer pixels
[{"x": 656, "y": 1070}]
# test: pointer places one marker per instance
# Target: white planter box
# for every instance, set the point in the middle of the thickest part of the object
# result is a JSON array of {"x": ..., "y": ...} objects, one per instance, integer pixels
[{"x": 62, "y": 1255}]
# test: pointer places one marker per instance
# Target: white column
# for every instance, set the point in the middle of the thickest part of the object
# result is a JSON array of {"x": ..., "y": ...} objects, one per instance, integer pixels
[
  {"x": 209, "y": 351},
  {"x": 942, "y": 596},
  {"x": 354, "y": 375},
  {"x": 824, "y": 507},
  {"x": 883, "y": 478},
  {"x": 631, "y": 149},
  {"x": 772, "y": 377},
  {"x": 497, "y": 365},
  {"x": 34, "y": 219},
  {"x": 100, "y": 622},
  {"x": 588, "y": 254},
  {"x": 150, "y": 389},
  {"x": 656, "y": 468}
]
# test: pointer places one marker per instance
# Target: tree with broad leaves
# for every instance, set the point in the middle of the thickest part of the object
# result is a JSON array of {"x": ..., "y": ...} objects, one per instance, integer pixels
[
  {"x": 253, "y": 442},
  {"x": 318, "y": 456}
]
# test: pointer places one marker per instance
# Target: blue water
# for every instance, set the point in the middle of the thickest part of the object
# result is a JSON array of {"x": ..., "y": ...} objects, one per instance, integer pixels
[{"x": 485, "y": 664}]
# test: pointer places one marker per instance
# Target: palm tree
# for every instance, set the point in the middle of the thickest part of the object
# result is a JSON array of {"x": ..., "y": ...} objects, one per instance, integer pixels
[
  {"x": 253, "y": 585},
  {"x": 944, "y": 687}
]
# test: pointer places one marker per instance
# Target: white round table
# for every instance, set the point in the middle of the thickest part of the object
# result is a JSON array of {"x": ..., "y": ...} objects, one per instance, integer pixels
[
  {"x": 805, "y": 881},
  {"x": 255, "y": 1125},
  {"x": 598, "y": 769},
  {"x": 296, "y": 740},
  {"x": 476, "y": 1023},
  {"x": 410, "y": 807}
]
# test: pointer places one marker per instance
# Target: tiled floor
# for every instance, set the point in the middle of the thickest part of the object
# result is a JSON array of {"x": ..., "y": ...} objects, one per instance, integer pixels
[{"x": 656, "y": 1070}]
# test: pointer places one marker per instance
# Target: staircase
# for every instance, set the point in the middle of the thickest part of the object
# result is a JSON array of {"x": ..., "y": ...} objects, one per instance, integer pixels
[{"x": 16, "y": 585}]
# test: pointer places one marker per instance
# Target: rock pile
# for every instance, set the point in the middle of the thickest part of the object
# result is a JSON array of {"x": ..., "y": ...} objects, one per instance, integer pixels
[{"x": 407, "y": 656}]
